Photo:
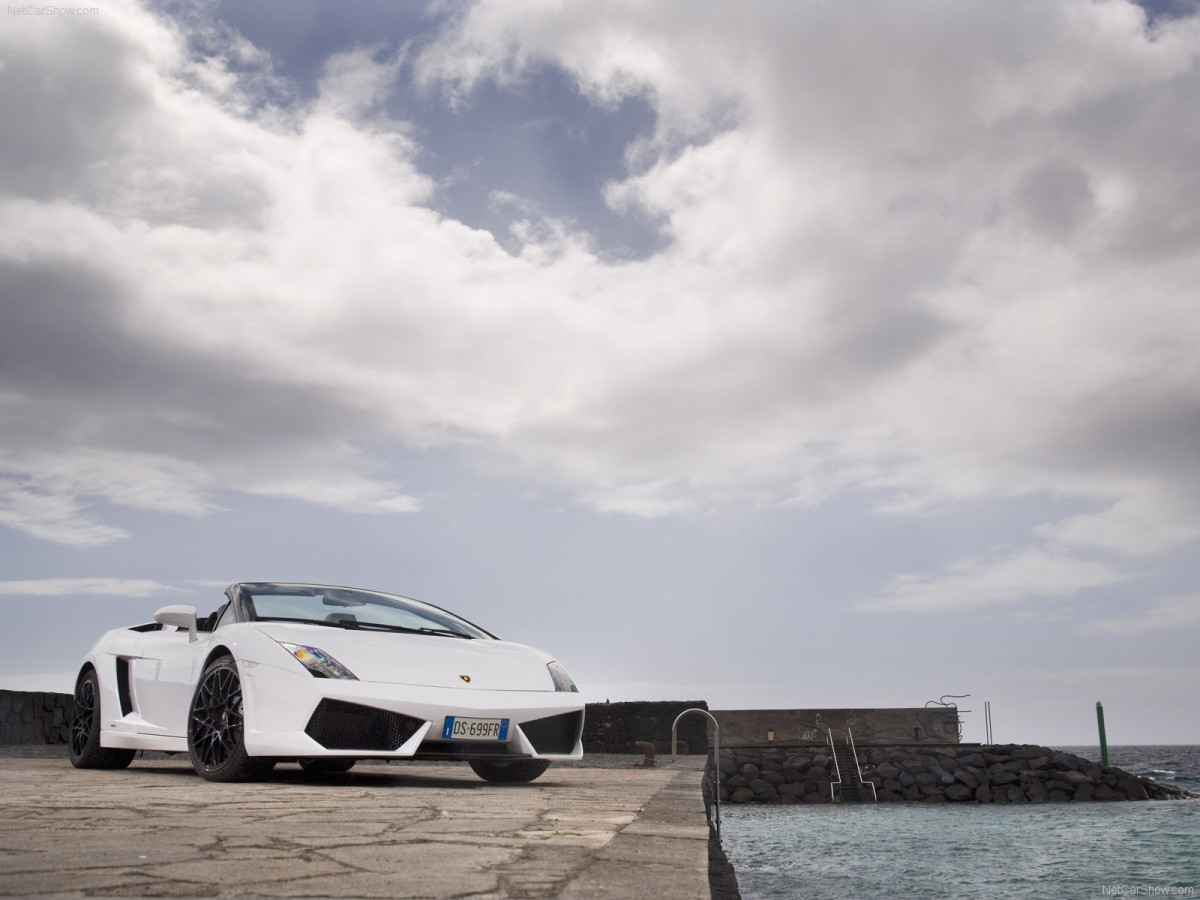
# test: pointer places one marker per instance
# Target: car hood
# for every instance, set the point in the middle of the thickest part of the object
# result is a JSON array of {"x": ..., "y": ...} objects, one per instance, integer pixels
[{"x": 419, "y": 659}]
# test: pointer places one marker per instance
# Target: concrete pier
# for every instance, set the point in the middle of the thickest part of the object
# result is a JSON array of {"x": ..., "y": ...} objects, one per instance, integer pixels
[{"x": 605, "y": 828}]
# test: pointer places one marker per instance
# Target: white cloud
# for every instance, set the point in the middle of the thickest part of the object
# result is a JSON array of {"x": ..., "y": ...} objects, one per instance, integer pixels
[
  {"x": 1167, "y": 614},
  {"x": 1001, "y": 579},
  {"x": 69, "y": 587},
  {"x": 939, "y": 255}
]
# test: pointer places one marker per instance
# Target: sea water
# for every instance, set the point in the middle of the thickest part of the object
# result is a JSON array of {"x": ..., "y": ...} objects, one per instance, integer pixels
[{"x": 1061, "y": 850}]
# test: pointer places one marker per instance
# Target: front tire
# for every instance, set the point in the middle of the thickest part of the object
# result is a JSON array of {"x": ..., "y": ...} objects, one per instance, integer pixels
[
  {"x": 514, "y": 772},
  {"x": 216, "y": 733},
  {"x": 84, "y": 749}
]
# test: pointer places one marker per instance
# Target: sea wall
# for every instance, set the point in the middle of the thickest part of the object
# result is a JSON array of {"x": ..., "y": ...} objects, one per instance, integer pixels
[
  {"x": 811, "y": 727},
  {"x": 34, "y": 717},
  {"x": 953, "y": 773}
]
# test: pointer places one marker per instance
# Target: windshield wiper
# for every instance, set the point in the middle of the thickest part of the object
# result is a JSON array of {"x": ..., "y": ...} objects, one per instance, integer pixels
[
  {"x": 444, "y": 631},
  {"x": 296, "y": 620},
  {"x": 441, "y": 632},
  {"x": 354, "y": 625}
]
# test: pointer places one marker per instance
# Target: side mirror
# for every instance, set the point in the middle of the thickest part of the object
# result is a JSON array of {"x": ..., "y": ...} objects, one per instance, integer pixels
[{"x": 180, "y": 617}]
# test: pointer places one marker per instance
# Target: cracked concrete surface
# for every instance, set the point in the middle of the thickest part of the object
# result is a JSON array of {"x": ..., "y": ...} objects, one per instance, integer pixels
[{"x": 415, "y": 830}]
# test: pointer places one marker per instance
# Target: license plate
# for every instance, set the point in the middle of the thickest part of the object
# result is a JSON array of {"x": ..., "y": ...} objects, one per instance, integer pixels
[{"x": 460, "y": 728}]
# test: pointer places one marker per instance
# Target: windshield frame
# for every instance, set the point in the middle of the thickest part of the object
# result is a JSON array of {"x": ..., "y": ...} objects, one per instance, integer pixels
[{"x": 434, "y": 619}]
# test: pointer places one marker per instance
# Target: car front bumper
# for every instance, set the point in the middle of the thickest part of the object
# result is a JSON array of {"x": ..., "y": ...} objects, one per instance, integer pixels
[{"x": 290, "y": 714}]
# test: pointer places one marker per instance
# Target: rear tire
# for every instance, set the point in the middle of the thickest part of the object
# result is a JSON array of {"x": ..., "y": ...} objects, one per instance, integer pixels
[
  {"x": 327, "y": 764},
  {"x": 216, "y": 733},
  {"x": 514, "y": 772},
  {"x": 84, "y": 748}
]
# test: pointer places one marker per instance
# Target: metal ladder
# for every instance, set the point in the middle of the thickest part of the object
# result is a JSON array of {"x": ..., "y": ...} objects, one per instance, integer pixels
[{"x": 850, "y": 787}]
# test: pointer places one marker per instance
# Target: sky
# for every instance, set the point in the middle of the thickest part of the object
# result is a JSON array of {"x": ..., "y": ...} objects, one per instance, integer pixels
[{"x": 777, "y": 355}]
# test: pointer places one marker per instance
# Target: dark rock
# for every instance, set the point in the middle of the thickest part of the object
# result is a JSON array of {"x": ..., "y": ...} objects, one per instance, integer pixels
[
  {"x": 887, "y": 770},
  {"x": 965, "y": 777},
  {"x": 1132, "y": 789},
  {"x": 1085, "y": 791},
  {"x": 1061, "y": 760},
  {"x": 979, "y": 774},
  {"x": 959, "y": 792},
  {"x": 762, "y": 788},
  {"x": 741, "y": 795},
  {"x": 1035, "y": 791},
  {"x": 1106, "y": 792},
  {"x": 983, "y": 794},
  {"x": 798, "y": 764}
]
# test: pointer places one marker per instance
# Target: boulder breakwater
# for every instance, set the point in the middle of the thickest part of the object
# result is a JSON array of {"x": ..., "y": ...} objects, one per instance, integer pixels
[{"x": 949, "y": 773}]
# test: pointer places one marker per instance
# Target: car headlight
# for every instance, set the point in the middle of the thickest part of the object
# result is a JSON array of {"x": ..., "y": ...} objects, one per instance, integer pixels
[
  {"x": 318, "y": 662},
  {"x": 562, "y": 680}
]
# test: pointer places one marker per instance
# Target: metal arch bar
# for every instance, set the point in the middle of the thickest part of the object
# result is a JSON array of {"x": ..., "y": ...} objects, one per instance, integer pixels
[
  {"x": 716, "y": 781},
  {"x": 836, "y": 767}
]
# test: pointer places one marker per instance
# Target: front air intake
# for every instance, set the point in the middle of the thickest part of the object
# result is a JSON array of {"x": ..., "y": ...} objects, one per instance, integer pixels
[
  {"x": 554, "y": 734},
  {"x": 338, "y": 725}
]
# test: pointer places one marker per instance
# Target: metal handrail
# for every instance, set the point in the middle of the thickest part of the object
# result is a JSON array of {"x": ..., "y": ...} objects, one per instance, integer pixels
[
  {"x": 716, "y": 780},
  {"x": 836, "y": 768},
  {"x": 854, "y": 752}
]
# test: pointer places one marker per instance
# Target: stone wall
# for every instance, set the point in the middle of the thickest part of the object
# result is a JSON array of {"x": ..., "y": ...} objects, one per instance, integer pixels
[
  {"x": 811, "y": 727},
  {"x": 1011, "y": 773},
  {"x": 35, "y": 717},
  {"x": 619, "y": 727}
]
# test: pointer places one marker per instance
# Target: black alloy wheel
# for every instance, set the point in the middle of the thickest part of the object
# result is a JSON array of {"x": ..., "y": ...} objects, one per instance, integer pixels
[
  {"x": 216, "y": 727},
  {"x": 514, "y": 772},
  {"x": 85, "y": 750}
]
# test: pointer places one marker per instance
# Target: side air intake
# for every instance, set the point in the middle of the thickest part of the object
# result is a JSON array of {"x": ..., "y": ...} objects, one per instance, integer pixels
[{"x": 338, "y": 725}]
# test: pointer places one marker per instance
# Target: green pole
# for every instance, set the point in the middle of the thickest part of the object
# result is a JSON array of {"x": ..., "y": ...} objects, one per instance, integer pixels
[{"x": 1103, "y": 739}]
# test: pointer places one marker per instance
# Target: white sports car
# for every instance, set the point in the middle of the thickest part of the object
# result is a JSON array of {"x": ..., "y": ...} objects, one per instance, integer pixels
[{"x": 324, "y": 676}]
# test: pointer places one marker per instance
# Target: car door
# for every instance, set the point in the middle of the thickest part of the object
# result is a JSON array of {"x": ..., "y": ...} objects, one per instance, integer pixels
[{"x": 164, "y": 677}]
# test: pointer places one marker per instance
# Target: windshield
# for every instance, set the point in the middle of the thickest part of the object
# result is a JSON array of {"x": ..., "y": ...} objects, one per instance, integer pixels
[{"x": 351, "y": 608}]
